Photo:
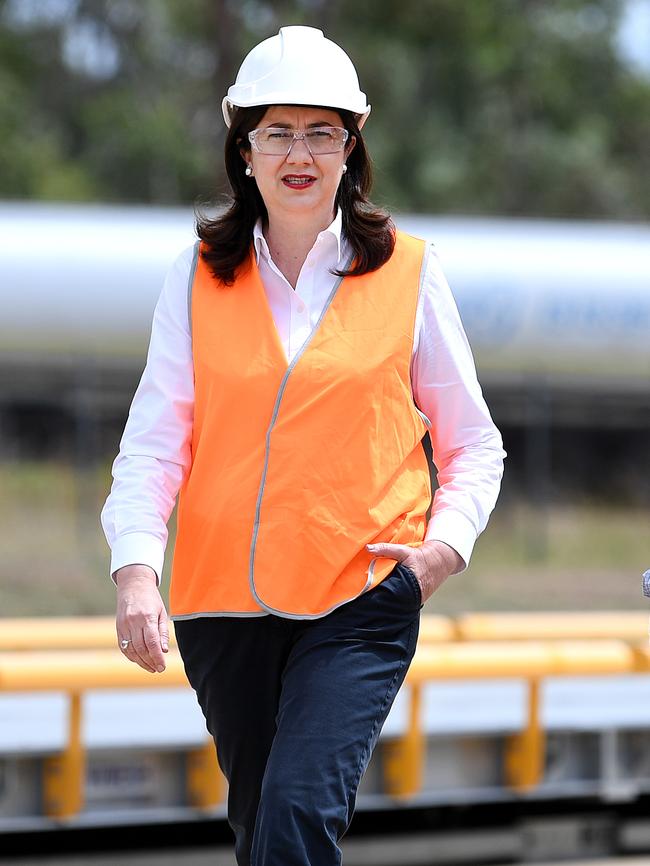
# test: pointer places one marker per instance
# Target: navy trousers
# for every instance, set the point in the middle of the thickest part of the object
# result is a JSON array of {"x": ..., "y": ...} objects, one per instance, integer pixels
[{"x": 295, "y": 708}]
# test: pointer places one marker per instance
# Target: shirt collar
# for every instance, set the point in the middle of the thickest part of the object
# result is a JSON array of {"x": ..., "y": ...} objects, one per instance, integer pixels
[{"x": 334, "y": 229}]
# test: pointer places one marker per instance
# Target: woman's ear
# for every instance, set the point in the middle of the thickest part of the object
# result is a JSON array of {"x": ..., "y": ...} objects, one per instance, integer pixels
[
  {"x": 244, "y": 149},
  {"x": 349, "y": 147}
]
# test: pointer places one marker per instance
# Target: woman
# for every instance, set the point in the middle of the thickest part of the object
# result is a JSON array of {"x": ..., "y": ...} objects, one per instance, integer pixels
[{"x": 298, "y": 356}]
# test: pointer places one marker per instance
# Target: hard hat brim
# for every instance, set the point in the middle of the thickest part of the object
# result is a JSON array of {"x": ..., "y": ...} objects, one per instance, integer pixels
[{"x": 228, "y": 108}]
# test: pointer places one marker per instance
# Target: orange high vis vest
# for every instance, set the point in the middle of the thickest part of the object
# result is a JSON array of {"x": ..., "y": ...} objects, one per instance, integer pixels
[{"x": 296, "y": 467}]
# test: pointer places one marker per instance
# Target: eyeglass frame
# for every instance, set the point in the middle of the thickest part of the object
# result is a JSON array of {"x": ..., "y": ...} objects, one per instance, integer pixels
[{"x": 298, "y": 136}]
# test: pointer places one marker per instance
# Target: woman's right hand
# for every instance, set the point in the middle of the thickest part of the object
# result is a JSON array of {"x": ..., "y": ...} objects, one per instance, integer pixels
[{"x": 141, "y": 617}]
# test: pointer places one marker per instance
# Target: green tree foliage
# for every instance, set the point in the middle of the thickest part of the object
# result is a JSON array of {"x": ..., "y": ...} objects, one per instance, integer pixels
[{"x": 479, "y": 106}]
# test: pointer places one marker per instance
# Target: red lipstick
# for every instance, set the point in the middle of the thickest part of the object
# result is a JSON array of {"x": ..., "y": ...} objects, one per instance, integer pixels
[{"x": 298, "y": 181}]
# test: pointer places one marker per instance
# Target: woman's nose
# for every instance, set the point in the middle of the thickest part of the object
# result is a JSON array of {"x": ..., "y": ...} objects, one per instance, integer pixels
[{"x": 299, "y": 152}]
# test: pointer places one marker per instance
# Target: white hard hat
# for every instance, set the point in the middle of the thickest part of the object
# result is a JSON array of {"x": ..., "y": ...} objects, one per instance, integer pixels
[{"x": 299, "y": 66}]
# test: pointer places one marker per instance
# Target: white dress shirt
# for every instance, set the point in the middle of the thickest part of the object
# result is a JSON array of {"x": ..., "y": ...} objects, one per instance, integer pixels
[{"x": 154, "y": 454}]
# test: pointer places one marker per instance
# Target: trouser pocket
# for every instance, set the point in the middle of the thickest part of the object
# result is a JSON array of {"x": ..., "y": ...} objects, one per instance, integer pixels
[{"x": 415, "y": 583}]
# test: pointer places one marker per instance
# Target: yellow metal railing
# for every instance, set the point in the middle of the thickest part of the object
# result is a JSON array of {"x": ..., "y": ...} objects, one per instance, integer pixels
[
  {"x": 74, "y": 672},
  {"x": 448, "y": 649},
  {"x": 528, "y": 660},
  {"x": 98, "y": 632},
  {"x": 60, "y": 633},
  {"x": 559, "y": 625}
]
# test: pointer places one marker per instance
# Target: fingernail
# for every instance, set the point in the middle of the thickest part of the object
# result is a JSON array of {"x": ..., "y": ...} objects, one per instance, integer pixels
[
  {"x": 371, "y": 546},
  {"x": 160, "y": 669},
  {"x": 165, "y": 648}
]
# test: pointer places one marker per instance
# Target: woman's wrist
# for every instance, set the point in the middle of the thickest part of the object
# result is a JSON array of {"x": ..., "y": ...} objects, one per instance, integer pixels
[
  {"x": 137, "y": 572},
  {"x": 447, "y": 559}
]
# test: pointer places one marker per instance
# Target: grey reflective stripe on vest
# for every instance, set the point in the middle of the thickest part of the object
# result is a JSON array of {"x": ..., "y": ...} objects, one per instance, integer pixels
[
  {"x": 423, "y": 272},
  {"x": 274, "y": 416},
  {"x": 425, "y": 264},
  {"x": 190, "y": 284},
  {"x": 181, "y": 616}
]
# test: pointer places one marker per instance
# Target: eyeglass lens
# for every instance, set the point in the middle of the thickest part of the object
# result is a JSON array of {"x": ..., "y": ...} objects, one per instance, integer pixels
[{"x": 321, "y": 139}]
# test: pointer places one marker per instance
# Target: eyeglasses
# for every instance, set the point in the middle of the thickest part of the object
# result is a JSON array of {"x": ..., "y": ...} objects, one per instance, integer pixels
[{"x": 278, "y": 141}]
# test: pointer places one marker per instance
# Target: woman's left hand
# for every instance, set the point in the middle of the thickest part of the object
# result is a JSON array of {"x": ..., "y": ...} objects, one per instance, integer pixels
[{"x": 432, "y": 562}]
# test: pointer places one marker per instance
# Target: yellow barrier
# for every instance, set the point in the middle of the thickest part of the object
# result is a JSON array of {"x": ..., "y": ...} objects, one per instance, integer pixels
[
  {"x": 434, "y": 627},
  {"x": 61, "y": 633},
  {"x": 74, "y": 672},
  {"x": 530, "y": 660},
  {"x": 98, "y": 632},
  {"x": 489, "y": 659},
  {"x": 624, "y": 624}
]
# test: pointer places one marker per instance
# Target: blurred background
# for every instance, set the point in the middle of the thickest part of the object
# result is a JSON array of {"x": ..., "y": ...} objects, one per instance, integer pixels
[
  {"x": 514, "y": 134},
  {"x": 517, "y": 131}
]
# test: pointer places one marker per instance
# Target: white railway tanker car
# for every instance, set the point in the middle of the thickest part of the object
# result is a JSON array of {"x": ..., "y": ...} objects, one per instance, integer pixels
[{"x": 559, "y": 308}]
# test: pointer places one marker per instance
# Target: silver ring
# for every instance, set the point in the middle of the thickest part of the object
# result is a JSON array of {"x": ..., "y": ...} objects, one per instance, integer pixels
[{"x": 124, "y": 643}]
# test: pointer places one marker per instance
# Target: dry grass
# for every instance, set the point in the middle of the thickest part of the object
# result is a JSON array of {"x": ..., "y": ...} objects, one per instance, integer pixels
[
  {"x": 55, "y": 560},
  {"x": 566, "y": 557}
]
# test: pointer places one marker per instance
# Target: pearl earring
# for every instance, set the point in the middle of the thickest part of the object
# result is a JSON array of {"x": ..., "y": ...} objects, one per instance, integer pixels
[
  {"x": 249, "y": 171},
  {"x": 344, "y": 168}
]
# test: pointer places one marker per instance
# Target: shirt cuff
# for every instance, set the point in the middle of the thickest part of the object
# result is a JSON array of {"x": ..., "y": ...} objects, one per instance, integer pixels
[
  {"x": 455, "y": 530},
  {"x": 137, "y": 548}
]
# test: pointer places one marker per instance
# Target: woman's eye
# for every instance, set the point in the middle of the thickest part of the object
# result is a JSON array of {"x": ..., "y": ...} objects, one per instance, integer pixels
[{"x": 279, "y": 135}]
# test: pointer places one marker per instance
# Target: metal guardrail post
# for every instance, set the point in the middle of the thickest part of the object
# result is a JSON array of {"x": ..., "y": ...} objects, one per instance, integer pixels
[
  {"x": 405, "y": 756},
  {"x": 206, "y": 785},
  {"x": 525, "y": 751},
  {"x": 64, "y": 774}
]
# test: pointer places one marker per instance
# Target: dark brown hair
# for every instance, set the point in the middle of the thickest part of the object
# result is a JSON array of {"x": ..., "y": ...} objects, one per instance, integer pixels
[{"x": 227, "y": 237}]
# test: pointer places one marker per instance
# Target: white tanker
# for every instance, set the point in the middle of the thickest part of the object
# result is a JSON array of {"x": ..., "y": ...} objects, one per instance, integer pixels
[{"x": 563, "y": 306}]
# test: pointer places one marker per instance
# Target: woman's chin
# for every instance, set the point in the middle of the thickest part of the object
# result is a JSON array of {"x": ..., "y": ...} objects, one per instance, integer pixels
[{"x": 297, "y": 203}]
